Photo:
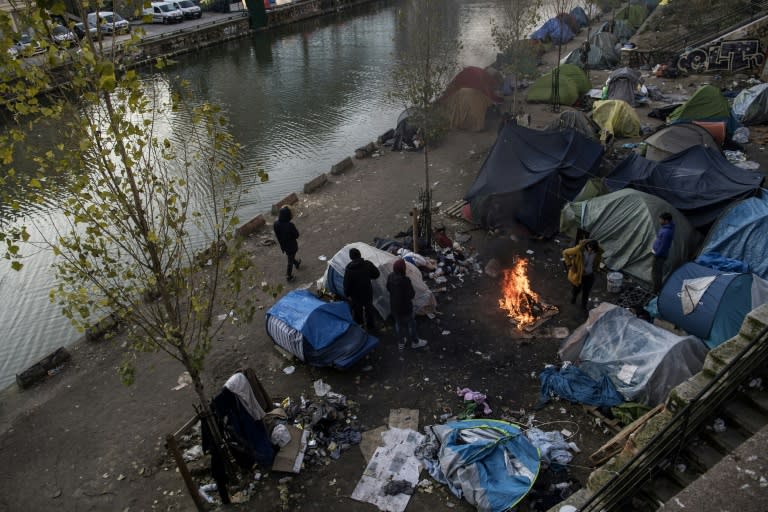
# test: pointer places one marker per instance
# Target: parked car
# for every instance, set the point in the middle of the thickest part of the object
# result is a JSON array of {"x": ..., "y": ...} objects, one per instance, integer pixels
[
  {"x": 189, "y": 8},
  {"x": 109, "y": 22},
  {"x": 81, "y": 28},
  {"x": 164, "y": 12},
  {"x": 26, "y": 46},
  {"x": 61, "y": 34}
]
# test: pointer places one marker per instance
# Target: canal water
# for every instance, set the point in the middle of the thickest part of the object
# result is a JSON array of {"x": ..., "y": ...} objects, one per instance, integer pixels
[{"x": 300, "y": 98}]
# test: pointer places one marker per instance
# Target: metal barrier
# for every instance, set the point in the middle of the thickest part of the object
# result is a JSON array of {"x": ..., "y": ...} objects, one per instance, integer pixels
[{"x": 668, "y": 443}]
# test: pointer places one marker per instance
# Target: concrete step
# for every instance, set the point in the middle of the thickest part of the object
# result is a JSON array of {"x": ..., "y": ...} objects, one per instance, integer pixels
[{"x": 744, "y": 412}]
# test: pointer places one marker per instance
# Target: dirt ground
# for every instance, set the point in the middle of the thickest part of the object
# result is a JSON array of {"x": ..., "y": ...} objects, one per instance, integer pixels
[{"x": 81, "y": 441}]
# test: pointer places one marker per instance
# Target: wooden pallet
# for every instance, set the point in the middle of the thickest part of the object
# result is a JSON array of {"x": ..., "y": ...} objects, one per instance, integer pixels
[{"x": 455, "y": 209}]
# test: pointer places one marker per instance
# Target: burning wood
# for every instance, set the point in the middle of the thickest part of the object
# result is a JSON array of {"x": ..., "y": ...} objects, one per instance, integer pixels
[{"x": 522, "y": 305}]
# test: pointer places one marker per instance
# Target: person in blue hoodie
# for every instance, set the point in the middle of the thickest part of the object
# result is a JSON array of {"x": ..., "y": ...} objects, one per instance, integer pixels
[
  {"x": 660, "y": 249},
  {"x": 287, "y": 236}
]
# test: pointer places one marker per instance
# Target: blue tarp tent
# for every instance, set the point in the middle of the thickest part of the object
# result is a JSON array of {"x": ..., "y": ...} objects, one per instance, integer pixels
[
  {"x": 740, "y": 233},
  {"x": 489, "y": 463},
  {"x": 699, "y": 182},
  {"x": 709, "y": 303},
  {"x": 580, "y": 15},
  {"x": 529, "y": 175},
  {"x": 317, "y": 332},
  {"x": 554, "y": 30}
]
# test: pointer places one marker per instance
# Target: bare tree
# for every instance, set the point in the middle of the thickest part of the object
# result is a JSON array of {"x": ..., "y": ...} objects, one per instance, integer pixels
[
  {"x": 509, "y": 33},
  {"x": 423, "y": 70},
  {"x": 560, "y": 9}
]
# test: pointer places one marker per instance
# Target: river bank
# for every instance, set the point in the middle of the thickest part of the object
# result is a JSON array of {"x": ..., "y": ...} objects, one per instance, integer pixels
[{"x": 83, "y": 441}]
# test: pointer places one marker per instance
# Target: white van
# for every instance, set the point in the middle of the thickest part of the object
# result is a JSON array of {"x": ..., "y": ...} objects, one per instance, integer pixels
[
  {"x": 108, "y": 22},
  {"x": 189, "y": 8},
  {"x": 164, "y": 12}
]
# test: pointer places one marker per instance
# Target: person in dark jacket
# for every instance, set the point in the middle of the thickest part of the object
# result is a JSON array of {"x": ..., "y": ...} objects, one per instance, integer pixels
[
  {"x": 660, "y": 249},
  {"x": 287, "y": 236},
  {"x": 401, "y": 296},
  {"x": 358, "y": 289}
]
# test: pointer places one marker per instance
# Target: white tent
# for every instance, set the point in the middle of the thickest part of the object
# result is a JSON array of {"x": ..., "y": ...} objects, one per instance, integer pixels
[{"x": 333, "y": 280}]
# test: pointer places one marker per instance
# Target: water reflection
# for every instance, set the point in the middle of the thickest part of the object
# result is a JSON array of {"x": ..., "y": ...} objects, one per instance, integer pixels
[{"x": 299, "y": 98}]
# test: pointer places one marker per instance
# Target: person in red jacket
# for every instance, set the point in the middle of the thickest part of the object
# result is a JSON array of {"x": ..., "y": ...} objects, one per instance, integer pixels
[{"x": 401, "y": 296}]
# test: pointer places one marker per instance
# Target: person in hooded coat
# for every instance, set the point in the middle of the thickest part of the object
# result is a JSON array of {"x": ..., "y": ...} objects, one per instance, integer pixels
[
  {"x": 660, "y": 249},
  {"x": 287, "y": 236},
  {"x": 358, "y": 289},
  {"x": 582, "y": 262},
  {"x": 401, "y": 294}
]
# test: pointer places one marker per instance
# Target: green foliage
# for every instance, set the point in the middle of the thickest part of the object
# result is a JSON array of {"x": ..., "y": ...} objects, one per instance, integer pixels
[{"x": 137, "y": 198}]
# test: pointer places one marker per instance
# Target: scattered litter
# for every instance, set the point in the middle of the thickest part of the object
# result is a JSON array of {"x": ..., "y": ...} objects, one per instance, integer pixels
[
  {"x": 719, "y": 425},
  {"x": 756, "y": 382},
  {"x": 205, "y": 489},
  {"x": 445, "y": 333},
  {"x": 289, "y": 370},
  {"x": 680, "y": 468},
  {"x": 193, "y": 453},
  {"x": 529, "y": 251},
  {"x": 394, "y": 487},
  {"x": 322, "y": 257},
  {"x": 321, "y": 388},
  {"x": 183, "y": 381}
]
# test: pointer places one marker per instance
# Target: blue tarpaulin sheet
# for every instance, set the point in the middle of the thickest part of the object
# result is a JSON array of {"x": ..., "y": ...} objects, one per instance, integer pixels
[{"x": 574, "y": 385}]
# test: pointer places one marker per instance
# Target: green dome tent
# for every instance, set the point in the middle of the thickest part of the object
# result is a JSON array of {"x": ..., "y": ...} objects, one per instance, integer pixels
[
  {"x": 573, "y": 82},
  {"x": 706, "y": 104}
]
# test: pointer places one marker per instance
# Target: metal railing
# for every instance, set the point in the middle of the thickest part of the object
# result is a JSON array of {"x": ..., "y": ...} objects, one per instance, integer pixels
[{"x": 667, "y": 444}]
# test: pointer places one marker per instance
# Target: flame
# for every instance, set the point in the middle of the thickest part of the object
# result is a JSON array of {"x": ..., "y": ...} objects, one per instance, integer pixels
[{"x": 517, "y": 297}]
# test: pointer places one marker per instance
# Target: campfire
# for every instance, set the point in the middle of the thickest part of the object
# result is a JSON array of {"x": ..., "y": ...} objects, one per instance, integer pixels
[{"x": 523, "y": 305}]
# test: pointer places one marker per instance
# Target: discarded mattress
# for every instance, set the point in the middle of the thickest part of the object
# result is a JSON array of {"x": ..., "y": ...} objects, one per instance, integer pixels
[
  {"x": 319, "y": 333},
  {"x": 489, "y": 463},
  {"x": 333, "y": 280},
  {"x": 643, "y": 361}
]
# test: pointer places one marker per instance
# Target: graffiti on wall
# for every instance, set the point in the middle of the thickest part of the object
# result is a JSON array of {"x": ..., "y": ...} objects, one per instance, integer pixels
[{"x": 724, "y": 56}]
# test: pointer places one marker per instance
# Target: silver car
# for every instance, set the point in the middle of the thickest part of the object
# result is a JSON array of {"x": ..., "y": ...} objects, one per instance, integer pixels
[{"x": 109, "y": 22}]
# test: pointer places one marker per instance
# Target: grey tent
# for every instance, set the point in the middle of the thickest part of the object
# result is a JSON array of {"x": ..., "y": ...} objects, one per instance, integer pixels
[
  {"x": 643, "y": 361},
  {"x": 675, "y": 139},
  {"x": 602, "y": 51},
  {"x": 622, "y": 84},
  {"x": 751, "y": 105},
  {"x": 625, "y": 223},
  {"x": 577, "y": 121}
]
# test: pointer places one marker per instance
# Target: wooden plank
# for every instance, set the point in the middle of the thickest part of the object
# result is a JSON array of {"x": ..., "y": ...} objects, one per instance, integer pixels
[{"x": 617, "y": 442}]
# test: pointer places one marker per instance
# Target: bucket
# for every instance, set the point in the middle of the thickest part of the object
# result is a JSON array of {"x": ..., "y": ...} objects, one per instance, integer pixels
[
  {"x": 615, "y": 280},
  {"x": 715, "y": 128}
]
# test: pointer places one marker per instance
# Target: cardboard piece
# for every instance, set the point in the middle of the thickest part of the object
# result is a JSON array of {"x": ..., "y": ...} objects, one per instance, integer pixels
[
  {"x": 370, "y": 441},
  {"x": 393, "y": 461},
  {"x": 291, "y": 456},
  {"x": 404, "y": 418}
]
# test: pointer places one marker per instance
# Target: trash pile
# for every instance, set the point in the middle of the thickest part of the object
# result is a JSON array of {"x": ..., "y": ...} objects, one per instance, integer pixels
[{"x": 304, "y": 432}]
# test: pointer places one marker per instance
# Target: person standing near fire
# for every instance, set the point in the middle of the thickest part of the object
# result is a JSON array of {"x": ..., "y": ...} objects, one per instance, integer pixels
[
  {"x": 582, "y": 262},
  {"x": 358, "y": 289},
  {"x": 401, "y": 294},
  {"x": 660, "y": 249}
]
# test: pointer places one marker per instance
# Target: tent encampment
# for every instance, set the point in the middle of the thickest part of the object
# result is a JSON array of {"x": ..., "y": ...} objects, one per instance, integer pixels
[
  {"x": 319, "y": 333},
  {"x": 625, "y": 223},
  {"x": 740, "y": 233},
  {"x": 673, "y": 139},
  {"x": 408, "y": 124},
  {"x": 473, "y": 77},
  {"x": 333, "y": 280},
  {"x": 576, "y": 120},
  {"x": 699, "y": 182},
  {"x": 490, "y": 463},
  {"x": 615, "y": 118},
  {"x": 465, "y": 109},
  {"x": 555, "y": 30},
  {"x": 633, "y": 14},
  {"x": 529, "y": 174},
  {"x": 643, "y": 361},
  {"x": 751, "y": 105},
  {"x": 622, "y": 84},
  {"x": 706, "y": 104},
  {"x": 580, "y": 16},
  {"x": 573, "y": 83},
  {"x": 709, "y": 303}
]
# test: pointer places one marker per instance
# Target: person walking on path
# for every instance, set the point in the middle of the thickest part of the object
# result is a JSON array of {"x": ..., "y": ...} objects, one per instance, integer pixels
[
  {"x": 287, "y": 236},
  {"x": 401, "y": 296},
  {"x": 582, "y": 262},
  {"x": 660, "y": 249},
  {"x": 358, "y": 289}
]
